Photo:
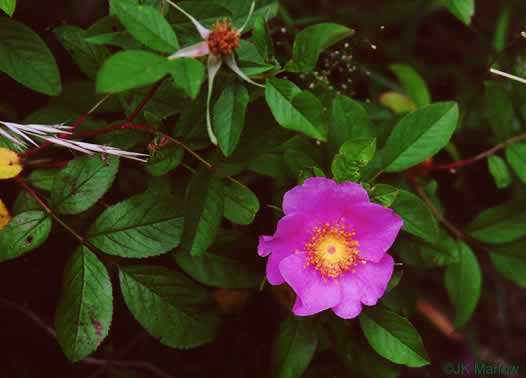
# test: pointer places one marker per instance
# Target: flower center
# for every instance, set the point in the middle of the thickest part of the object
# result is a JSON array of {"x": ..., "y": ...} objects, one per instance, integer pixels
[
  {"x": 223, "y": 39},
  {"x": 332, "y": 251}
]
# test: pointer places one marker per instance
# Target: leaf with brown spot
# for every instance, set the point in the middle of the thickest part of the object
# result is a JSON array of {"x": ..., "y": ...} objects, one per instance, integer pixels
[
  {"x": 26, "y": 231},
  {"x": 85, "y": 308}
]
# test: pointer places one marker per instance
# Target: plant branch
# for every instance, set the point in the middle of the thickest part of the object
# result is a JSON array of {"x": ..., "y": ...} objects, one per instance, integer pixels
[
  {"x": 146, "y": 98},
  {"x": 151, "y": 130},
  {"x": 30, "y": 315},
  {"x": 482, "y": 155},
  {"x": 50, "y": 212},
  {"x": 130, "y": 364},
  {"x": 455, "y": 231}
]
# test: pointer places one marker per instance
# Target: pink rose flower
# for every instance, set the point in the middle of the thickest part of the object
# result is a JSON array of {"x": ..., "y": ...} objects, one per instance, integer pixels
[{"x": 330, "y": 247}]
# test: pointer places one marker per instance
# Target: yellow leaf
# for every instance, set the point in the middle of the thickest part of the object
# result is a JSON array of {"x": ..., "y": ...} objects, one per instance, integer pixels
[
  {"x": 4, "y": 215},
  {"x": 397, "y": 102},
  {"x": 9, "y": 164}
]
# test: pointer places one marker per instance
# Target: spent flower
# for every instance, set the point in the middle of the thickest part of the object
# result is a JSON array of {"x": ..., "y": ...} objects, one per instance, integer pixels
[
  {"x": 330, "y": 247},
  {"x": 219, "y": 44}
]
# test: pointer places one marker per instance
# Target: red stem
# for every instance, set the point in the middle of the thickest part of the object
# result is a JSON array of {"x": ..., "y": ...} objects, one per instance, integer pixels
[
  {"x": 146, "y": 98},
  {"x": 133, "y": 114},
  {"x": 480, "y": 156}
]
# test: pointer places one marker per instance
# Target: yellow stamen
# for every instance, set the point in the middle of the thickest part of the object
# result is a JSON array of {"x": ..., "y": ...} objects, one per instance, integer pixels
[{"x": 332, "y": 250}]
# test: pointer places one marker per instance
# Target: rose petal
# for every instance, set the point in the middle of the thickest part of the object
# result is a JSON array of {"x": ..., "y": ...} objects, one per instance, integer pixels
[
  {"x": 366, "y": 285},
  {"x": 323, "y": 198},
  {"x": 376, "y": 228},
  {"x": 315, "y": 294},
  {"x": 193, "y": 51},
  {"x": 290, "y": 236}
]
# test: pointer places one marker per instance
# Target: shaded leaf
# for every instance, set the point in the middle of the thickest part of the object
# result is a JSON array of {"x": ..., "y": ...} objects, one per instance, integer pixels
[
  {"x": 203, "y": 211},
  {"x": 463, "y": 282},
  {"x": 417, "y": 218},
  {"x": 218, "y": 271},
  {"x": 500, "y": 224},
  {"x": 413, "y": 84},
  {"x": 171, "y": 307},
  {"x": 27, "y": 59},
  {"x": 516, "y": 156},
  {"x": 293, "y": 347}
]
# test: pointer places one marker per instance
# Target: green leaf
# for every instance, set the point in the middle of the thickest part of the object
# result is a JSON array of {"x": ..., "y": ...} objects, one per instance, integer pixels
[
  {"x": 348, "y": 119},
  {"x": 144, "y": 225},
  {"x": 513, "y": 249},
  {"x": 121, "y": 39},
  {"x": 8, "y": 6},
  {"x": 299, "y": 162},
  {"x": 417, "y": 218},
  {"x": 295, "y": 109},
  {"x": 27, "y": 59},
  {"x": 516, "y": 156},
  {"x": 510, "y": 267},
  {"x": 463, "y": 282},
  {"x": 419, "y": 253},
  {"x": 311, "y": 41},
  {"x": 357, "y": 356},
  {"x": 88, "y": 57},
  {"x": 294, "y": 347},
  {"x": 354, "y": 155},
  {"x": 393, "y": 337},
  {"x": 146, "y": 24},
  {"x": 183, "y": 316},
  {"x": 188, "y": 74},
  {"x": 383, "y": 194},
  {"x": 26, "y": 231},
  {"x": 419, "y": 135},
  {"x": 82, "y": 183},
  {"x": 132, "y": 69},
  {"x": 261, "y": 37},
  {"x": 203, "y": 211},
  {"x": 164, "y": 160},
  {"x": 42, "y": 178},
  {"x": 218, "y": 271},
  {"x": 413, "y": 84},
  {"x": 499, "y": 109},
  {"x": 499, "y": 170},
  {"x": 462, "y": 9},
  {"x": 85, "y": 308},
  {"x": 241, "y": 204},
  {"x": 500, "y": 224},
  {"x": 229, "y": 115}
]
